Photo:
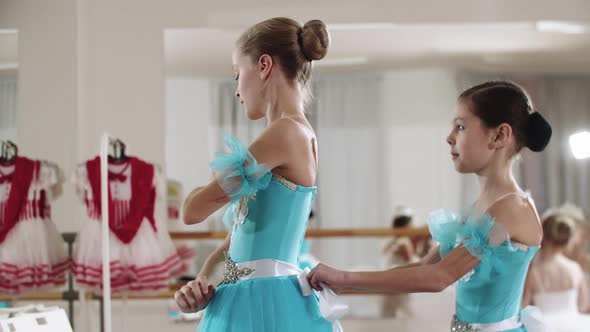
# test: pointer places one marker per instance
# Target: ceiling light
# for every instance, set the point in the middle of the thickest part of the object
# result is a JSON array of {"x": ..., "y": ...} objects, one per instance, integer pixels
[
  {"x": 561, "y": 27},
  {"x": 361, "y": 26},
  {"x": 361, "y": 60}
]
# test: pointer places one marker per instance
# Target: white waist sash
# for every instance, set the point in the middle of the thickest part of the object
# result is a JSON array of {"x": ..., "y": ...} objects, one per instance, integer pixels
[
  {"x": 330, "y": 308},
  {"x": 505, "y": 325}
]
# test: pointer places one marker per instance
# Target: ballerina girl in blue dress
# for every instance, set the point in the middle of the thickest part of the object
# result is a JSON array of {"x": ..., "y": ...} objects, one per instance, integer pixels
[
  {"x": 493, "y": 121},
  {"x": 270, "y": 188}
]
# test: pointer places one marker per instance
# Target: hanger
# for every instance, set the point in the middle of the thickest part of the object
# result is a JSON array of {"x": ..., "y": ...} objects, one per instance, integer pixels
[
  {"x": 118, "y": 150},
  {"x": 8, "y": 151}
]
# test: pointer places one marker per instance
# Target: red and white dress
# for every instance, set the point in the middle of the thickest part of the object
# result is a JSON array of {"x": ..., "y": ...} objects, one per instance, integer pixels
[
  {"x": 32, "y": 252},
  {"x": 143, "y": 257}
]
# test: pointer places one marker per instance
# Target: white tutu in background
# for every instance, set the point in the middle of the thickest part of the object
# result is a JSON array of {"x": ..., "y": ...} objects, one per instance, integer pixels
[
  {"x": 560, "y": 311},
  {"x": 143, "y": 257},
  {"x": 32, "y": 257},
  {"x": 32, "y": 252},
  {"x": 144, "y": 264}
]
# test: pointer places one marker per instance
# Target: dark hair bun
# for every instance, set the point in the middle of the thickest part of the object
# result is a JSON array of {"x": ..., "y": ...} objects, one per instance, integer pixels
[
  {"x": 315, "y": 40},
  {"x": 538, "y": 133}
]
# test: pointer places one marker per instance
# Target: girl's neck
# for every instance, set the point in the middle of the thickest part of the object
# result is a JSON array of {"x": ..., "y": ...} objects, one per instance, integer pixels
[
  {"x": 284, "y": 101},
  {"x": 550, "y": 253},
  {"x": 496, "y": 181}
]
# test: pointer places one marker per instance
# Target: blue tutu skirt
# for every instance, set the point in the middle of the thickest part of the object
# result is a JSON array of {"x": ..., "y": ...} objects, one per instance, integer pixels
[{"x": 263, "y": 305}]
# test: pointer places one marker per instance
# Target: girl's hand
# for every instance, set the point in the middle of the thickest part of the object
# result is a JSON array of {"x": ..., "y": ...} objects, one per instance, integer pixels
[
  {"x": 195, "y": 295},
  {"x": 324, "y": 276}
]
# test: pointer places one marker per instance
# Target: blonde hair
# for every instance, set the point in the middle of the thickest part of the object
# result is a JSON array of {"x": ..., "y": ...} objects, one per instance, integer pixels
[
  {"x": 558, "y": 229},
  {"x": 293, "y": 45}
]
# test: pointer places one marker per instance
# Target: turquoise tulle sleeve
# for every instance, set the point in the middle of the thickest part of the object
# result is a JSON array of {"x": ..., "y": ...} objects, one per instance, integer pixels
[
  {"x": 237, "y": 171},
  {"x": 473, "y": 232},
  {"x": 445, "y": 229},
  {"x": 483, "y": 237}
]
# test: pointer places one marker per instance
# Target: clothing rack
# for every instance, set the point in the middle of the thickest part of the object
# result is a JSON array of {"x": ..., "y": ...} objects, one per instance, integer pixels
[{"x": 70, "y": 294}]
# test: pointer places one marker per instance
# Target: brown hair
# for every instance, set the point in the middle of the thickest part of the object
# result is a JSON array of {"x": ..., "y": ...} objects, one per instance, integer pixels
[
  {"x": 401, "y": 221},
  {"x": 498, "y": 102},
  {"x": 294, "y": 46},
  {"x": 558, "y": 229}
]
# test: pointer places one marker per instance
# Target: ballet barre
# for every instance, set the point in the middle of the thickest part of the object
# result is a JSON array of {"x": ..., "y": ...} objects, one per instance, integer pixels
[
  {"x": 49, "y": 296},
  {"x": 321, "y": 233}
]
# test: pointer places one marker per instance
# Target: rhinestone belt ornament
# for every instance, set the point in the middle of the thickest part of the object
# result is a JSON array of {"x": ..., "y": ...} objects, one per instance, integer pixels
[
  {"x": 231, "y": 272},
  {"x": 459, "y": 326}
]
